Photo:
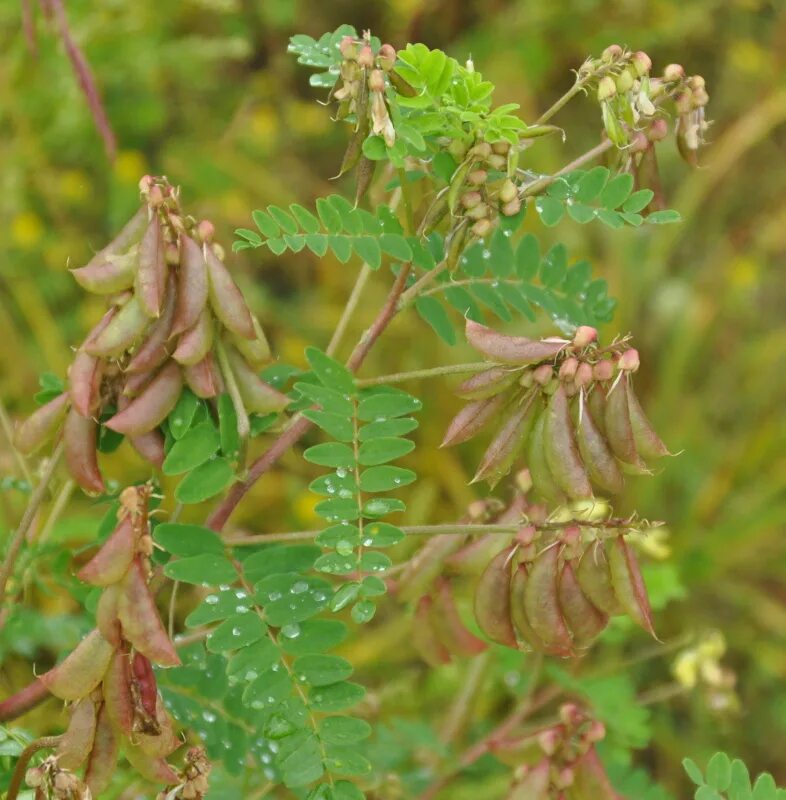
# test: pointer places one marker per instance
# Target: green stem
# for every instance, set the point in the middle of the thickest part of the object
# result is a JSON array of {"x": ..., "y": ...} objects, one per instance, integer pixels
[
  {"x": 432, "y": 372},
  {"x": 559, "y": 104}
]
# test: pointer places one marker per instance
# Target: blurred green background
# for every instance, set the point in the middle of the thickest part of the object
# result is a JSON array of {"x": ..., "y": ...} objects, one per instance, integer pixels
[{"x": 204, "y": 92}]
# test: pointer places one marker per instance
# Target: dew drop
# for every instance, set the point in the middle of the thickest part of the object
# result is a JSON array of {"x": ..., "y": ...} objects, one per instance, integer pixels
[
  {"x": 299, "y": 587},
  {"x": 291, "y": 631},
  {"x": 211, "y": 599}
]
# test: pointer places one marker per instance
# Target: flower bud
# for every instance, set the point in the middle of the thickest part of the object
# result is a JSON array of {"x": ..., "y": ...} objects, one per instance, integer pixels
[
  {"x": 349, "y": 48},
  {"x": 146, "y": 183},
  {"x": 568, "y": 369},
  {"x": 457, "y": 149},
  {"x": 700, "y": 98},
  {"x": 477, "y": 177},
  {"x": 482, "y": 228},
  {"x": 569, "y": 713},
  {"x": 218, "y": 250},
  {"x": 501, "y": 148},
  {"x": 469, "y": 65},
  {"x": 34, "y": 777},
  {"x": 606, "y": 88},
  {"x": 479, "y": 211},
  {"x": 564, "y": 778},
  {"x": 508, "y": 191},
  {"x": 583, "y": 374},
  {"x": 658, "y": 130},
  {"x": 512, "y": 208},
  {"x": 542, "y": 374},
  {"x": 482, "y": 150},
  {"x": 366, "y": 57},
  {"x": 624, "y": 81},
  {"x": 549, "y": 740},
  {"x": 528, "y": 533},
  {"x": 477, "y": 510},
  {"x": 684, "y": 102},
  {"x": 673, "y": 72},
  {"x": 527, "y": 379},
  {"x": 603, "y": 370},
  {"x": 639, "y": 143},
  {"x": 387, "y": 57},
  {"x": 497, "y": 162},
  {"x": 584, "y": 336},
  {"x": 523, "y": 482},
  {"x": 155, "y": 196},
  {"x": 641, "y": 62},
  {"x": 596, "y": 732},
  {"x": 376, "y": 80},
  {"x": 629, "y": 360},
  {"x": 696, "y": 82},
  {"x": 612, "y": 52},
  {"x": 471, "y": 199}
]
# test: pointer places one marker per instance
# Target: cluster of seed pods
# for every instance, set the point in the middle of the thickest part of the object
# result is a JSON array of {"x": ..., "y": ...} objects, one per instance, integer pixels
[
  {"x": 108, "y": 679},
  {"x": 175, "y": 318},
  {"x": 559, "y": 761},
  {"x": 568, "y": 406}
]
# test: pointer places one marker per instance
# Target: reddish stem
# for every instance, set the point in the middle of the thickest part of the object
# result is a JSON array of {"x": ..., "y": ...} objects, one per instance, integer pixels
[
  {"x": 301, "y": 425},
  {"x": 23, "y": 701}
]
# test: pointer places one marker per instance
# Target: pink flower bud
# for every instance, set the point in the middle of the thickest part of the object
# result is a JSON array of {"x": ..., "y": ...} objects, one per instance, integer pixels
[
  {"x": 629, "y": 360},
  {"x": 583, "y": 375},
  {"x": 542, "y": 374},
  {"x": 479, "y": 211},
  {"x": 569, "y": 536},
  {"x": 570, "y": 714},
  {"x": 146, "y": 183},
  {"x": 584, "y": 336},
  {"x": 508, "y": 191},
  {"x": 482, "y": 228},
  {"x": 568, "y": 369},
  {"x": 512, "y": 208},
  {"x": 376, "y": 80},
  {"x": 700, "y": 98},
  {"x": 366, "y": 57},
  {"x": 696, "y": 82},
  {"x": 684, "y": 102},
  {"x": 641, "y": 62},
  {"x": 477, "y": 509},
  {"x": 477, "y": 177},
  {"x": 596, "y": 732},
  {"x": 528, "y": 533},
  {"x": 349, "y": 48},
  {"x": 549, "y": 740},
  {"x": 658, "y": 131},
  {"x": 564, "y": 778},
  {"x": 612, "y": 52},
  {"x": 482, "y": 150},
  {"x": 674, "y": 72},
  {"x": 606, "y": 88},
  {"x": 387, "y": 57},
  {"x": 155, "y": 196},
  {"x": 639, "y": 143},
  {"x": 471, "y": 199},
  {"x": 603, "y": 370},
  {"x": 206, "y": 231}
]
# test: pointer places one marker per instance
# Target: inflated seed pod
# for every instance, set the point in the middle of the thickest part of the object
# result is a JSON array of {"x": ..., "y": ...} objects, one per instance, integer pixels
[
  {"x": 80, "y": 437},
  {"x": 82, "y": 670},
  {"x": 106, "y": 616},
  {"x": 124, "y": 328},
  {"x": 541, "y": 602},
  {"x": 256, "y": 351},
  {"x": 145, "y": 681},
  {"x": 619, "y": 431},
  {"x": 152, "y": 406},
  {"x": 562, "y": 453},
  {"x": 472, "y": 419},
  {"x": 102, "y": 760},
  {"x": 151, "y": 446},
  {"x": 518, "y": 613},
  {"x": 628, "y": 584},
  {"x": 151, "y": 275},
  {"x": 488, "y": 383},
  {"x": 155, "y": 349},
  {"x": 150, "y": 768},
  {"x": 77, "y": 741},
  {"x": 226, "y": 299},
  {"x": 583, "y": 619},
  {"x": 258, "y": 396},
  {"x": 112, "y": 274},
  {"x": 596, "y": 405},
  {"x": 598, "y": 459},
  {"x": 542, "y": 479},
  {"x": 424, "y": 635},
  {"x": 113, "y": 558},
  {"x": 203, "y": 378},
  {"x": 492, "y": 600},
  {"x": 129, "y": 235},
  {"x": 84, "y": 382},
  {"x": 133, "y": 386},
  {"x": 161, "y": 744},
  {"x": 117, "y": 693},
  {"x": 192, "y": 285},
  {"x": 472, "y": 559},
  {"x": 41, "y": 425},
  {"x": 194, "y": 344},
  {"x": 648, "y": 444},
  {"x": 511, "y": 349},
  {"x": 507, "y": 442},
  {"x": 594, "y": 577},
  {"x": 140, "y": 620},
  {"x": 449, "y": 627}
]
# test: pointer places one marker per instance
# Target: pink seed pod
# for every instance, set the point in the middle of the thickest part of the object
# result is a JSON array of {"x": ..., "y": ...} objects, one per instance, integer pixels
[
  {"x": 150, "y": 446},
  {"x": 80, "y": 436},
  {"x": 155, "y": 770},
  {"x": 628, "y": 584},
  {"x": 567, "y": 370},
  {"x": 366, "y": 57},
  {"x": 257, "y": 395},
  {"x": 203, "y": 378},
  {"x": 166, "y": 741},
  {"x": 84, "y": 382},
  {"x": 479, "y": 211},
  {"x": 492, "y": 600},
  {"x": 583, "y": 375},
  {"x": 629, "y": 360},
  {"x": 226, "y": 298},
  {"x": 424, "y": 634},
  {"x": 117, "y": 693},
  {"x": 510, "y": 349},
  {"x": 482, "y": 228},
  {"x": 584, "y": 621},
  {"x": 102, "y": 760},
  {"x": 603, "y": 370},
  {"x": 472, "y": 419},
  {"x": 541, "y": 603},
  {"x": 145, "y": 679},
  {"x": 192, "y": 288},
  {"x": 81, "y": 671},
  {"x": 151, "y": 276},
  {"x": 543, "y": 374},
  {"x": 602, "y": 467},
  {"x": 41, "y": 425},
  {"x": 154, "y": 350},
  {"x": 106, "y": 616},
  {"x": 638, "y": 143},
  {"x": 129, "y": 235},
  {"x": 114, "y": 557},
  {"x": 673, "y": 72},
  {"x": 487, "y": 383},
  {"x": 197, "y": 341},
  {"x": 77, "y": 741},
  {"x": 112, "y": 274},
  {"x": 526, "y": 535},
  {"x": 133, "y": 386},
  {"x": 139, "y": 618},
  {"x": 590, "y": 778},
  {"x": 151, "y": 407}
]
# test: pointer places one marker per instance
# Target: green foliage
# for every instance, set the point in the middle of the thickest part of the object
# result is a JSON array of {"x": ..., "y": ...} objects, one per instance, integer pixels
[{"x": 727, "y": 779}]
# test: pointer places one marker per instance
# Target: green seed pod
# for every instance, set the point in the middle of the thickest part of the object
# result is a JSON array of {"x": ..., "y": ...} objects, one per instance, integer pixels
[
  {"x": 113, "y": 558},
  {"x": 521, "y": 623},
  {"x": 77, "y": 741},
  {"x": 41, "y": 425},
  {"x": 192, "y": 285},
  {"x": 129, "y": 235},
  {"x": 487, "y": 383},
  {"x": 365, "y": 175},
  {"x": 154, "y": 350},
  {"x": 139, "y": 617},
  {"x": 507, "y": 442},
  {"x": 80, "y": 436},
  {"x": 601, "y": 465},
  {"x": 542, "y": 480},
  {"x": 648, "y": 443},
  {"x": 472, "y": 419},
  {"x": 424, "y": 635},
  {"x": 151, "y": 407},
  {"x": 123, "y": 329},
  {"x": 102, "y": 760},
  {"x": 628, "y": 584},
  {"x": 541, "y": 603},
  {"x": 255, "y": 351},
  {"x": 457, "y": 183},
  {"x": 81, "y": 671},
  {"x": 492, "y": 600},
  {"x": 117, "y": 694},
  {"x": 562, "y": 454},
  {"x": 594, "y": 577},
  {"x": 196, "y": 342},
  {"x": 113, "y": 274},
  {"x": 449, "y": 627},
  {"x": 203, "y": 378},
  {"x": 227, "y": 300},
  {"x": 510, "y": 349},
  {"x": 151, "y": 276},
  {"x": 584, "y": 621},
  {"x": 257, "y": 395}
]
